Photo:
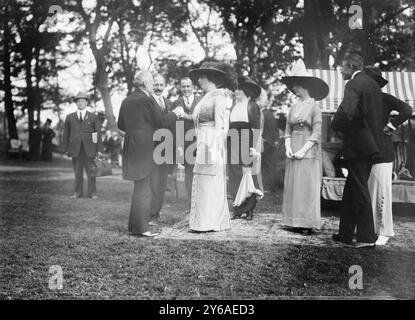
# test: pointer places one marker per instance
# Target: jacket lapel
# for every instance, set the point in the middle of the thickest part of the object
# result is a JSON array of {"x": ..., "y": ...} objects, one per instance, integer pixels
[{"x": 195, "y": 102}]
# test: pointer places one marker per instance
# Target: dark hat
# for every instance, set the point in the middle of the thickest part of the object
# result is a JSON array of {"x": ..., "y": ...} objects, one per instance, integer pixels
[
  {"x": 81, "y": 95},
  {"x": 317, "y": 87},
  {"x": 244, "y": 83},
  {"x": 223, "y": 71},
  {"x": 375, "y": 74}
]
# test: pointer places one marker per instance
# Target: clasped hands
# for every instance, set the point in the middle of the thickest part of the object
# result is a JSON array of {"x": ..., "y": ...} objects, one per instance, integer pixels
[
  {"x": 180, "y": 114},
  {"x": 298, "y": 155}
]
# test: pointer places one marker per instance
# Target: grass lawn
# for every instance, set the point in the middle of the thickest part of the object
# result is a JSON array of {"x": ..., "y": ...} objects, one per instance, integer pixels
[{"x": 41, "y": 227}]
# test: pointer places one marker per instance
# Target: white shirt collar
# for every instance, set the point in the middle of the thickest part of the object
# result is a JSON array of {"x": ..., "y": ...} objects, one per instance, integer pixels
[
  {"x": 145, "y": 91},
  {"x": 83, "y": 112},
  {"x": 354, "y": 74},
  {"x": 190, "y": 98},
  {"x": 160, "y": 99}
]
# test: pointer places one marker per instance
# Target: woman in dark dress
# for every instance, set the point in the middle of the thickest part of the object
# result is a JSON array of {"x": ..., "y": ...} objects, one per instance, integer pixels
[
  {"x": 244, "y": 118},
  {"x": 48, "y": 135}
]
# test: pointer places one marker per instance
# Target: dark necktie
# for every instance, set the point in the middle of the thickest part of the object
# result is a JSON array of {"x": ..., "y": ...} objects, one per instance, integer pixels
[{"x": 80, "y": 116}]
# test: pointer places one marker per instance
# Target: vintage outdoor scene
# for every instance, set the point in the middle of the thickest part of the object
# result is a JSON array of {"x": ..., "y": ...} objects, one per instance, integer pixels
[{"x": 207, "y": 149}]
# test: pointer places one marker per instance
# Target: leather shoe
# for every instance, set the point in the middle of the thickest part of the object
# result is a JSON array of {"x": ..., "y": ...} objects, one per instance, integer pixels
[
  {"x": 337, "y": 238},
  {"x": 359, "y": 245},
  {"x": 152, "y": 223},
  {"x": 150, "y": 234},
  {"x": 75, "y": 196},
  {"x": 94, "y": 197}
]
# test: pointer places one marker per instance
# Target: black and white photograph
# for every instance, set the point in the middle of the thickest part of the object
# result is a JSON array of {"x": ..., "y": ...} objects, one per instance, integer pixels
[{"x": 230, "y": 151}]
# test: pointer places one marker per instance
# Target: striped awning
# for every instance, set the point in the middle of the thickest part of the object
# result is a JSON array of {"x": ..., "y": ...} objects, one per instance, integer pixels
[{"x": 401, "y": 85}]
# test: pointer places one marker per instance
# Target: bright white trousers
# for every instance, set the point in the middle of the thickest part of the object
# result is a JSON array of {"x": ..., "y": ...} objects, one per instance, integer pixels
[{"x": 380, "y": 189}]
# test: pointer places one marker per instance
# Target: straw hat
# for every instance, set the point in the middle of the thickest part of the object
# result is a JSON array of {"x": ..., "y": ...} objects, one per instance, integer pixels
[
  {"x": 81, "y": 95},
  {"x": 223, "y": 71},
  {"x": 244, "y": 83},
  {"x": 316, "y": 86},
  {"x": 375, "y": 74}
]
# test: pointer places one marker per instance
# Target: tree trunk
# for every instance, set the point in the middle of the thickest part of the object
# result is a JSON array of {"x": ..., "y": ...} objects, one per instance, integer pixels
[
  {"x": 38, "y": 77},
  {"x": 103, "y": 87},
  {"x": 8, "y": 98},
  {"x": 30, "y": 100},
  {"x": 368, "y": 51},
  {"x": 316, "y": 33}
]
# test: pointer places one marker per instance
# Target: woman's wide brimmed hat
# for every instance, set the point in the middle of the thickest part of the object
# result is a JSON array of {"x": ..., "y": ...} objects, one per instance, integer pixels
[
  {"x": 318, "y": 88},
  {"x": 81, "y": 95},
  {"x": 375, "y": 74},
  {"x": 245, "y": 83},
  {"x": 221, "y": 70}
]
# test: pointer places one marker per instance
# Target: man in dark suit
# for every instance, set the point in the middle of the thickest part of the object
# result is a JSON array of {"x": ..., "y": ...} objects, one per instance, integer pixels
[
  {"x": 380, "y": 179},
  {"x": 158, "y": 179},
  {"x": 82, "y": 141},
  {"x": 359, "y": 120},
  {"x": 139, "y": 118},
  {"x": 188, "y": 101},
  {"x": 270, "y": 137}
]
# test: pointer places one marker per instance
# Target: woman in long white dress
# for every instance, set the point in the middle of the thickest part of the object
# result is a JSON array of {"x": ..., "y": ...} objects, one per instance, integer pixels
[{"x": 209, "y": 207}]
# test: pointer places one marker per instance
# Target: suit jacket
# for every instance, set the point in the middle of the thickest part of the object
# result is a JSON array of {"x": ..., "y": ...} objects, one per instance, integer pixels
[
  {"x": 77, "y": 133},
  {"x": 187, "y": 124},
  {"x": 167, "y": 168},
  {"x": 139, "y": 118},
  {"x": 361, "y": 108},
  {"x": 390, "y": 103},
  {"x": 270, "y": 133}
]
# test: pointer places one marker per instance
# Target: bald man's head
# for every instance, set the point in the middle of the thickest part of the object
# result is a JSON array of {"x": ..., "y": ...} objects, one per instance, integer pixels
[{"x": 144, "y": 80}]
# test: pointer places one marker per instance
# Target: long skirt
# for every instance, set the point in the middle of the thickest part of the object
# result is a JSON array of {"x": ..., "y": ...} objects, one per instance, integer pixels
[
  {"x": 301, "y": 198},
  {"x": 209, "y": 206},
  {"x": 380, "y": 189}
]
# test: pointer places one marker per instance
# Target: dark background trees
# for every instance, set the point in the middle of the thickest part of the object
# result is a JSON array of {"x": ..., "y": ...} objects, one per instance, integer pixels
[{"x": 266, "y": 36}]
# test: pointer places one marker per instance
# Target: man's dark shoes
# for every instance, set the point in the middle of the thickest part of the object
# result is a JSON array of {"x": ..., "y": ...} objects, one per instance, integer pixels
[
  {"x": 360, "y": 245},
  {"x": 337, "y": 238}
]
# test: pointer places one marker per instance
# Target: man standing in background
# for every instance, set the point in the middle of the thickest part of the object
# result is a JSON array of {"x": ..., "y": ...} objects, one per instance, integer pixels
[
  {"x": 188, "y": 101},
  {"x": 82, "y": 141}
]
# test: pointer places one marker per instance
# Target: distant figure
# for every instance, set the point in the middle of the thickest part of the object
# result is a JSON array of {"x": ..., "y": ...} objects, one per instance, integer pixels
[
  {"x": 115, "y": 142},
  {"x": 82, "y": 141},
  {"x": 270, "y": 137},
  {"x": 48, "y": 135},
  {"x": 106, "y": 143},
  {"x": 34, "y": 142},
  {"x": 188, "y": 102}
]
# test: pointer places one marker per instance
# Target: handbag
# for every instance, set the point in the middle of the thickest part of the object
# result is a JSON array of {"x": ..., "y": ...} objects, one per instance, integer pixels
[{"x": 100, "y": 167}]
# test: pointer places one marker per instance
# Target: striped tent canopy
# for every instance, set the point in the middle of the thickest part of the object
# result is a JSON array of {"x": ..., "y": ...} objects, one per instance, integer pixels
[{"x": 401, "y": 85}]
